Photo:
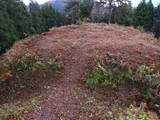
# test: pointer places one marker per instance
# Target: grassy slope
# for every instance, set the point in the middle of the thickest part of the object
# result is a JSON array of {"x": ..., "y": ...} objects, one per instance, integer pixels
[{"x": 65, "y": 95}]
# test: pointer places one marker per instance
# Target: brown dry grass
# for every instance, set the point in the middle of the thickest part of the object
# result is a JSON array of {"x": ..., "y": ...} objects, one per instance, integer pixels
[{"x": 78, "y": 44}]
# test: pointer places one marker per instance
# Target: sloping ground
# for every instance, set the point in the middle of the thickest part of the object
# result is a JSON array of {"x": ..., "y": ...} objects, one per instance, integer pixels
[{"x": 68, "y": 97}]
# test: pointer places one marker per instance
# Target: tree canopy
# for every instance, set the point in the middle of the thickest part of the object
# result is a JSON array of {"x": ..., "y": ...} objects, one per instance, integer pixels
[
  {"x": 18, "y": 22},
  {"x": 144, "y": 14}
]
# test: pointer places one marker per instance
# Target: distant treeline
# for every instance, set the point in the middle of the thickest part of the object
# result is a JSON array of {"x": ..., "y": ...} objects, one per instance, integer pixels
[
  {"x": 18, "y": 21},
  {"x": 145, "y": 16}
]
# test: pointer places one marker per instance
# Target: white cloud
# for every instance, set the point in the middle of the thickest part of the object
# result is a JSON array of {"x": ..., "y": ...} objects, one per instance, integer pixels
[
  {"x": 26, "y": 1},
  {"x": 134, "y": 2},
  {"x": 39, "y": 1}
]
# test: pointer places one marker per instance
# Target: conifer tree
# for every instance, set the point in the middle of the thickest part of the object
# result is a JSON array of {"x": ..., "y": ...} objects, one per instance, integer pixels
[
  {"x": 157, "y": 12},
  {"x": 48, "y": 16},
  {"x": 37, "y": 21},
  {"x": 78, "y": 9},
  {"x": 8, "y": 32},
  {"x": 122, "y": 14},
  {"x": 150, "y": 16},
  {"x": 156, "y": 27},
  {"x": 15, "y": 22},
  {"x": 111, "y": 4},
  {"x": 144, "y": 15},
  {"x": 22, "y": 20}
]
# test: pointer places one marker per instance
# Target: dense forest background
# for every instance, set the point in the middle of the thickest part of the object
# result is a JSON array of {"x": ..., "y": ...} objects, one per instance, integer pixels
[{"x": 18, "y": 21}]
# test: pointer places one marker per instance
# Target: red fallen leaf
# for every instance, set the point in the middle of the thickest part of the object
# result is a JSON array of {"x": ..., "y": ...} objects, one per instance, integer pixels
[
  {"x": 5, "y": 76},
  {"x": 114, "y": 86},
  {"x": 145, "y": 105},
  {"x": 125, "y": 66}
]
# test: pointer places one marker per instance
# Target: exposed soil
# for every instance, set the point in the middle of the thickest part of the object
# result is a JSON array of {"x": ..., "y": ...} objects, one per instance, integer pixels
[{"x": 79, "y": 45}]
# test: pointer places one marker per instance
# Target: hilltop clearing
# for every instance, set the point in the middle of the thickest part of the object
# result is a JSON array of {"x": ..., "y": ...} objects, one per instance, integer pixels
[{"x": 40, "y": 93}]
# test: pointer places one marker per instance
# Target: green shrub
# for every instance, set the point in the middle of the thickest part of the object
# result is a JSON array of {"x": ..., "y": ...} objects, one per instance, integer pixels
[
  {"x": 94, "y": 78},
  {"x": 86, "y": 19},
  {"x": 107, "y": 77},
  {"x": 145, "y": 93},
  {"x": 133, "y": 113},
  {"x": 39, "y": 65},
  {"x": 139, "y": 117},
  {"x": 28, "y": 64},
  {"x": 140, "y": 28},
  {"x": 144, "y": 70},
  {"x": 23, "y": 69},
  {"x": 120, "y": 74},
  {"x": 21, "y": 64},
  {"x": 116, "y": 75},
  {"x": 110, "y": 73},
  {"x": 10, "y": 110},
  {"x": 54, "y": 65}
]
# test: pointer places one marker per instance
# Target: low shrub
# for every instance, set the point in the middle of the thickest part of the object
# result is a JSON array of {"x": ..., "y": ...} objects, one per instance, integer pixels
[
  {"x": 86, "y": 19},
  {"x": 140, "y": 28},
  {"x": 133, "y": 113},
  {"x": 144, "y": 70},
  {"x": 112, "y": 71},
  {"x": 10, "y": 110},
  {"x": 151, "y": 93},
  {"x": 23, "y": 64},
  {"x": 25, "y": 70},
  {"x": 94, "y": 78},
  {"x": 54, "y": 65},
  {"x": 109, "y": 73}
]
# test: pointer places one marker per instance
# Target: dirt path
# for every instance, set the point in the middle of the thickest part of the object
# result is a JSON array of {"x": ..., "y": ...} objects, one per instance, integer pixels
[{"x": 79, "y": 45}]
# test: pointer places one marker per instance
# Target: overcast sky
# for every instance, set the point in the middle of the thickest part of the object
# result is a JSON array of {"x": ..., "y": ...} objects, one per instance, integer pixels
[{"x": 134, "y": 2}]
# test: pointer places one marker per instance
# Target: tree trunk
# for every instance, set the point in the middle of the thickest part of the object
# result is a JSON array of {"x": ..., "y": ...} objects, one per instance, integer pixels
[{"x": 110, "y": 13}]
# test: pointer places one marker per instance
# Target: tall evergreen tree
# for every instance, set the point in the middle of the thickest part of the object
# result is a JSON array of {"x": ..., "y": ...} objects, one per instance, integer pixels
[
  {"x": 144, "y": 15},
  {"x": 22, "y": 19},
  {"x": 123, "y": 14},
  {"x": 150, "y": 16},
  {"x": 157, "y": 12},
  {"x": 17, "y": 12},
  {"x": 156, "y": 27},
  {"x": 140, "y": 14},
  {"x": 48, "y": 16},
  {"x": 78, "y": 9},
  {"x": 37, "y": 21},
  {"x": 72, "y": 11},
  {"x": 8, "y": 32},
  {"x": 85, "y": 8},
  {"x": 111, "y": 4},
  {"x": 15, "y": 22}
]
